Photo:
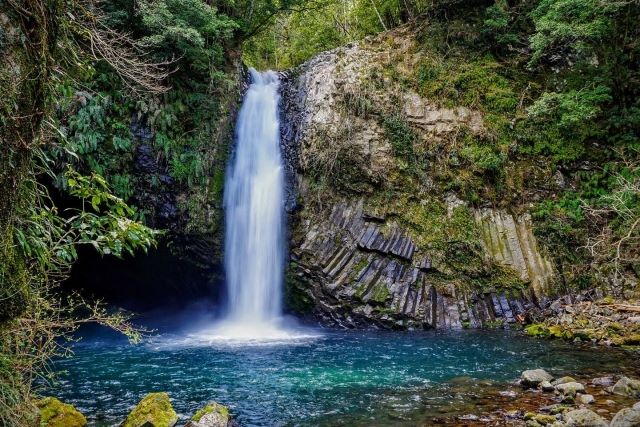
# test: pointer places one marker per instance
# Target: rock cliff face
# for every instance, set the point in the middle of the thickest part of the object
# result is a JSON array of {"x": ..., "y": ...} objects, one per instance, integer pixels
[{"x": 376, "y": 240}]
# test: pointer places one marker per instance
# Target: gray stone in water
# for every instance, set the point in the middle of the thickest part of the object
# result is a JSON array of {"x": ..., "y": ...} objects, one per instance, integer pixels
[
  {"x": 570, "y": 389},
  {"x": 584, "y": 418},
  {"x": 627, "y": 387},
  {"x": 509, "y": 393},
  {"x": 212, "y": 415},
  {"x": 563, "y": 380},
  {"x": 585, "y": 399},
  {"x": 533, "y": 377},
  {"x": 603, "y": 381},
  {"x": 546, "y": 386},
  {"x": 628, "y": 417}
]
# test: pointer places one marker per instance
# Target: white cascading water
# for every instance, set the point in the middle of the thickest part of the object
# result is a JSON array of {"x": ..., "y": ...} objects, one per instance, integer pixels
[{"x": 254, "y": 191}]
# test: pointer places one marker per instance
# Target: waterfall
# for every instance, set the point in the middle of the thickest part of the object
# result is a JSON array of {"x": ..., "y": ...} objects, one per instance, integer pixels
[{"x": 253, "y": 200}]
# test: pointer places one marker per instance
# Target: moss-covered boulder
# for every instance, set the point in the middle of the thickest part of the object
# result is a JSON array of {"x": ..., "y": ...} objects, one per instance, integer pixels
[
  {"x": 627, "y": 387},
  {"x": 54, "y": 413},
  {"x": 583, "y": 418},
  {"x": 212, "y": 415},
  {"x": 154, "y": 410}
]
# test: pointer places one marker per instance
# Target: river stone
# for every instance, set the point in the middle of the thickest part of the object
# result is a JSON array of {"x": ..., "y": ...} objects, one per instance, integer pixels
[
  {"x": 627, "y": 417},
  {"x": 585, "y": 399},
  {"x": 155, "y": 410},
  {"x": 637, "y": 406},
  {"x": 533, "y": 377},
  {"x": 584, "y": 418},
  {"x": 54, "y": 413},
  {"x": 563, "y": 380},
  {"x": 546, "y": 386},
  {"x": 570, "y": 389},
  {"x": 627, "y": 387},
  {"x": 603, "y": 381},
  {"x": 212, "y": 415}
]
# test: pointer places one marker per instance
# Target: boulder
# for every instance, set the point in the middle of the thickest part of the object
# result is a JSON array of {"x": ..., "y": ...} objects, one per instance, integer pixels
[
  {"x": 628, "y": 417},
  {"x": 603, "y": 381},
  {"x": 584, "y": 418},
  {"x": 585, "y": 399},
  {"x": 570, "y": 389},
  {"x": 533, "y": 377},
  {"x": 546, "y": 386},
  {"x": 54, "y": 413},
  {"x": 212, "y": 415},
  {"x": 539, "y": 419},
  {"x": 563, "y": 380},
  {"x": 627, "y": 387},
  {"x": 155, "y": 410}
]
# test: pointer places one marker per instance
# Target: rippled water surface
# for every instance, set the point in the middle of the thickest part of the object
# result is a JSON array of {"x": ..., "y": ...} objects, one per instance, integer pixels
[{"x": 336, "y": 378}]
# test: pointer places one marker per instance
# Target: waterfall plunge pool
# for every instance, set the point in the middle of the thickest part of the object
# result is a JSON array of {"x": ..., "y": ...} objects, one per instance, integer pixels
[{"x": 333, "y": 378}]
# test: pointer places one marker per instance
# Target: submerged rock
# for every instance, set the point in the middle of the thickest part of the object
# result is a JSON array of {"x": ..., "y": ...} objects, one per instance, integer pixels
[
  {"x": 584, "y": 418},
  {"x": 212, "y": 415},
  {"x": 534, "y": 377},
  {"x": 627, "y": 387},
  {"x": 154, "y": 410},
  {"x": 54, "y": 413},
  {"x": 628, "y": 417}
]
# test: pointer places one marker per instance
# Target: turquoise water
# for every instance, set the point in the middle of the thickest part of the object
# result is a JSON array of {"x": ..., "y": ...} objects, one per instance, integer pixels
[{"x": 338, "y": 378}]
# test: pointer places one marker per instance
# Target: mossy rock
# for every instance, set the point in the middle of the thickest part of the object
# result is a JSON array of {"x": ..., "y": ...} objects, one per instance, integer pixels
[
  {"x": 154, "y": 410},
  {"x": 536, "y": 330},
  {"x": 212, "y": 415},
  {"x": 54, "y": 413}
]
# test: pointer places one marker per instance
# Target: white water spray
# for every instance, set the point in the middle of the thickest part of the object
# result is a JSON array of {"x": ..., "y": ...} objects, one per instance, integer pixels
[{"x": 254, "y": 191}]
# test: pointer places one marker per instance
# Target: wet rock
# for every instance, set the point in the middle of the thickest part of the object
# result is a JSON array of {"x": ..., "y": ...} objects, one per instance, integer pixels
[
  {"x": 469, "y": 417},
  {"x": 585, "y": 399},
  {"x": 539, "y": 419},
  {"x": 583, "y": 418},
  {"x": 546, "y": 386},
  {"x": 534, "y": 377},
  {"x": 603, "y": 381},
  {"x": 154, "y": 409},
  {"x": 570, "y": 389},
  {"x": 628, "y": 417},
  {"x": 212, "y": 415},
  {"x": 509, "y": 393},
  {"x": 563, "y": 380},
  {"x": 555, "y": 408},
  {"x": 627, "y": 387},
  {"x": 54, "y": 413}
]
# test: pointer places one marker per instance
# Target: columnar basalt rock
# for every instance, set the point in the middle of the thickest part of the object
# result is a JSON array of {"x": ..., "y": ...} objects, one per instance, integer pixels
[
  {"x": 360, "y": 271},
  {"x": 361, "y": 262}
]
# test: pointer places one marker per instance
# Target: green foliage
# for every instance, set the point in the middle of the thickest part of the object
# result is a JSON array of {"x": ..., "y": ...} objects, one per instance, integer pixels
[
  {"x": 496, "y": 27},
  {"x": 402, "y": 138},
  {"x": 191, "y": 28},
  {"x": 577, "y": 25}
]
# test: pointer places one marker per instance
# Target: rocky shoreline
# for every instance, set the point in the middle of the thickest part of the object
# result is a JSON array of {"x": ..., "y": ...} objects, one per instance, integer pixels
[
  {"x": 543, "y": 400},
  {"x": 536, "y": 399},
  {"x": 154, "y": 410},
  {"x": 584, "y": 318}
]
